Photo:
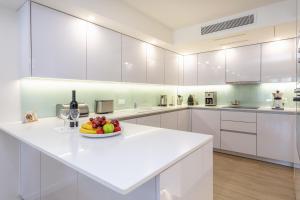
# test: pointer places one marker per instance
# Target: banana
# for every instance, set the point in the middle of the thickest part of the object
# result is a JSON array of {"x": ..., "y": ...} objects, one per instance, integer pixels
[
  {"x": 87, "y": 126},
  {"x": 83, "y": 130}
]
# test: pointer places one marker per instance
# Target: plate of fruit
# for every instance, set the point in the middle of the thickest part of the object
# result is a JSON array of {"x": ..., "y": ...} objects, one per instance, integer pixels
[{"x": 100, "y": 127}]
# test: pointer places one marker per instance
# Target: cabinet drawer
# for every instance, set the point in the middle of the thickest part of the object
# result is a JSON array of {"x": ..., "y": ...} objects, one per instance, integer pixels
[
  {"x": 238, "y": 116},
  {"x": 247, "y": 127},
  {"x": 238, "y": 142}
]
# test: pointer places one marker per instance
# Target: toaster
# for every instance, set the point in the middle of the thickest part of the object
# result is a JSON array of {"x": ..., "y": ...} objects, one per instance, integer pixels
[
  {"x": 104, "y": 106},
  {"x": 83, "y": 108}
]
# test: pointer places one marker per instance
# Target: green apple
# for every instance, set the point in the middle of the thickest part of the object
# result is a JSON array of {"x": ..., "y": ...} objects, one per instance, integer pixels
[{"x": 108, "y": 128}]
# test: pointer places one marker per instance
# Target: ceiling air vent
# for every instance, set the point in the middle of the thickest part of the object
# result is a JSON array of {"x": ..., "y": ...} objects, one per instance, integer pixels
[{"x": 233, "y": 23}]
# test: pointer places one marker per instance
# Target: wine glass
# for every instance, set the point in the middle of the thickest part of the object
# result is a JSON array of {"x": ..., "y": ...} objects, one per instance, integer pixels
[
  {"x": 74, "y": 114},
  {"x": 64, "y": 114}
]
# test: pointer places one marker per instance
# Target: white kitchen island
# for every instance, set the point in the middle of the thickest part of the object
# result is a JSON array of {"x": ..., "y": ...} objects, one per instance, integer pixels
[{"x": 144, "y": 163}]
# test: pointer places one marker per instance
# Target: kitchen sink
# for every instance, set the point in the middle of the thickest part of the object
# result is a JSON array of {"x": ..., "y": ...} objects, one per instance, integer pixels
[{"x": 242, "y": 107}]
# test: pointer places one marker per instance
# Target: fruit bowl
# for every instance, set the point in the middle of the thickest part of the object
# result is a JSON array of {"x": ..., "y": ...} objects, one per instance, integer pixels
[{"x": 100, "y": 127}]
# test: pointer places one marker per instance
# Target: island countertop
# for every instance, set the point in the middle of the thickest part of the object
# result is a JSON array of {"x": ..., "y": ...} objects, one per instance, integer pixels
[{"x": 121, "y": 163}]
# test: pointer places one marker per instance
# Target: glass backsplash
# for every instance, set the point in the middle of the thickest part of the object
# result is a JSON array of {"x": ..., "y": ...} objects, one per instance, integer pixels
[{"x": 42, "y": 95}]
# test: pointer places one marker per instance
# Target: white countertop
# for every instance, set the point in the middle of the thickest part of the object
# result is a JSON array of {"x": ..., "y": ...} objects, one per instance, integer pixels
[{"x": 121, "y": 163}]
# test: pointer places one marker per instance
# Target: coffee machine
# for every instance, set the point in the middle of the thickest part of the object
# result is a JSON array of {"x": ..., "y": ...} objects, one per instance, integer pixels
[
  {"x": 277, "y": 100},
  {"x": 210, "y": 98}
]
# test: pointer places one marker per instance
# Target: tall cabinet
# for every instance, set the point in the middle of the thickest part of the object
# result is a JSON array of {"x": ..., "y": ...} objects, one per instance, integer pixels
[{"x": 58, "y": 44}]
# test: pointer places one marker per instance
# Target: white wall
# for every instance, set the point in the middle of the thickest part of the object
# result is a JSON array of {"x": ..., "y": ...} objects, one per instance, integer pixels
[{"x": 9, "y": 103}]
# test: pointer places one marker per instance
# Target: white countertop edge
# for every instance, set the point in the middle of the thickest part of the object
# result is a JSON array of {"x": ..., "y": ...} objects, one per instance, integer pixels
[{"x": 122, "y": 191}]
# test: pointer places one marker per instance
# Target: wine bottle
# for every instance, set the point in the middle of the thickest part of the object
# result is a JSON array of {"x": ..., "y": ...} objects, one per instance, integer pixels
[{"x": 73, "y": 105}]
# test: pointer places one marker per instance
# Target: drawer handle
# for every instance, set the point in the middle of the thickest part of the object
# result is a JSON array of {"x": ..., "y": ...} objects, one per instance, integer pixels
[{"x": 242, "y": 132}]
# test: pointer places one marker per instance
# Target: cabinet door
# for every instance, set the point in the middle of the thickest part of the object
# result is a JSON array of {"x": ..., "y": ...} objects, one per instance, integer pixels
[
  {"x": 184, "y": 120},
  {"x": 243, "y": 64},
  {"x": 169, "y": 120},
  {"x": 211, "y": 68},
  {"x": 134, "y": 53},
  {"x": 153, "y": 120},
  {"x": 181, "y": 70},
  {"x": 207, "y": 122},
  {"x": 131, "y": 121},
  {"x": 279, "y": 61},
  {"x": 103, "y": 54},
  {"x": 171, "y": 68},
  {"x": 190, "y": 70},
  {"x": 155, "y": 65},
  {"x": 276, "y": 136},
  {"x": 58, "y": 44}
]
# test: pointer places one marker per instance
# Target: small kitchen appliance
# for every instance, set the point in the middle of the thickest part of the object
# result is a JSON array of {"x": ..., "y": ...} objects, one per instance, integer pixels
[
  {"x": 277, "y": 100},
  {"x": 104, "y": 106},
  {"x": 191, "y": 100},
  {"x": 210, "y": 98},
  {"x": 163, "y": 101},
  {"x": 179, "y": 100},
  {"x": 83, "y": 108}
]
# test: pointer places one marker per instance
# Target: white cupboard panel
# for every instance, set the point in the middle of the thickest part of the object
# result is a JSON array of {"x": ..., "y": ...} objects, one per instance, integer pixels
[
  {"x": 169, "y": 120},
  {"x": 247, "y": 127},
  {"x": 58, "y": 182},
  {"x": 207, "y": 122},
  {"x": 239, "y": 116},
  {"x": 238, "y": 142},
  {"x": 155, "y": 65},
  {"x": 181, "y": 70},
  {"x": 131, "y": 121},
  {"x": 153, "y": 120},
  {"x": 184, "y": 120},
  {"x": 171, "y": 68},
  {"x": 103, "y": 54},
  {"x": 279, "y": 61},
  {"x": 276, "y": 136},
  {"x": 189, "y": 179},
  {"x": 190, "y": 70},
  {"x": 134, "y": 53},
  {"x": 243, "y": 64},
  {"x": 58, "y": 44},
  {"x": 211, "y": 68}
]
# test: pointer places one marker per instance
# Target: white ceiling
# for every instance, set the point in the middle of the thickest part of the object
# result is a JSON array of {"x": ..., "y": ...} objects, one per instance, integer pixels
[{"x": 177, "y": 14}]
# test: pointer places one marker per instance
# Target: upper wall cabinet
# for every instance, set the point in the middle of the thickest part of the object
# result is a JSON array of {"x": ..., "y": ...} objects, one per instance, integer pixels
[
  {"x": 103, "y": 54},
  {"x": 134, "y": 54},
  {"x": 155, "y": 65},
  {"x": 211, "y": 68},
  {"x": 181, "y": 70},
  {"x": 279, "y": 61},
  {"x": 58, "y": 44},
  {"x": 171, "y": 68},
  {"x": 243, "y": 64},
  {"x": 190, "y": 70}
]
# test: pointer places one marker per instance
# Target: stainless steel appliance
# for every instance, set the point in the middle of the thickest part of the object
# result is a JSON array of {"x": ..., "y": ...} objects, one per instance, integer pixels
[
  {"x": 179, "y": 100},
  {"x": 210, "y": 98},
  {"x": 83, "y": 108},
  {"x": 163, "y": 101},
  {"x": 277, "y": 100},
  {"x": 104, "y": 106}
]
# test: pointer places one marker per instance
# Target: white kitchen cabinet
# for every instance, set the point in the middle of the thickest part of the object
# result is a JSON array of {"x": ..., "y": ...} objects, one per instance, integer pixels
[
  {"x": 190, "y": 70},
  {"x": 58, "y": 182},
  {"x": 134, "y": 54},
  {"x": 155, "y": 64},
  {"x": 238, "y": 142},
  {"x": 276, "y": 136},
  {"x": 207, "y": 122},
  {"x": 211, "y": 68},
  {"x": 169, "y": 120},
  {"x": 103, "y": 54},
  {"x": 190, "y": 178},
  {"x": 131, "y": 121},
  {"x": 152, "y": 120},
  {"x": 171, "y": 68},
  {"x": 181, "y": 70},
  {"x": 243, "y": 64},
  {"x": 278, "y": 62},
  {"x": 184, "y": 120},
  {"x": 58, "y": 44}
]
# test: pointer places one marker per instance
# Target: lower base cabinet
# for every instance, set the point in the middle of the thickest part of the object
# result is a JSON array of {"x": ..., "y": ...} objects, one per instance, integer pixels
[
  {"x": 238, "y": 142},
  {"x": 276, "y": 137},
  {"x": 207, "y": 122},
  {"x": 153, "y": 120},
  {"x": 184, "y": 120},
  {"x": 169, "y": 120}
]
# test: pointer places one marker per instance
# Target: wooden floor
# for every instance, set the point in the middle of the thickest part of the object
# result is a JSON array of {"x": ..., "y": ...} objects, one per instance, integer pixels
[{"x": 237, "y": 178}]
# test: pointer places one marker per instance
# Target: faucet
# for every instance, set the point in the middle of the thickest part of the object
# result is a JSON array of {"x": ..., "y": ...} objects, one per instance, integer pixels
[{"x": 135, "y": 105}]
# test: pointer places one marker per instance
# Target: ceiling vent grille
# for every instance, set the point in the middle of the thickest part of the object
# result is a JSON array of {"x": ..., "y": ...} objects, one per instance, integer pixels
[{"x": 233, "y": 23}]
